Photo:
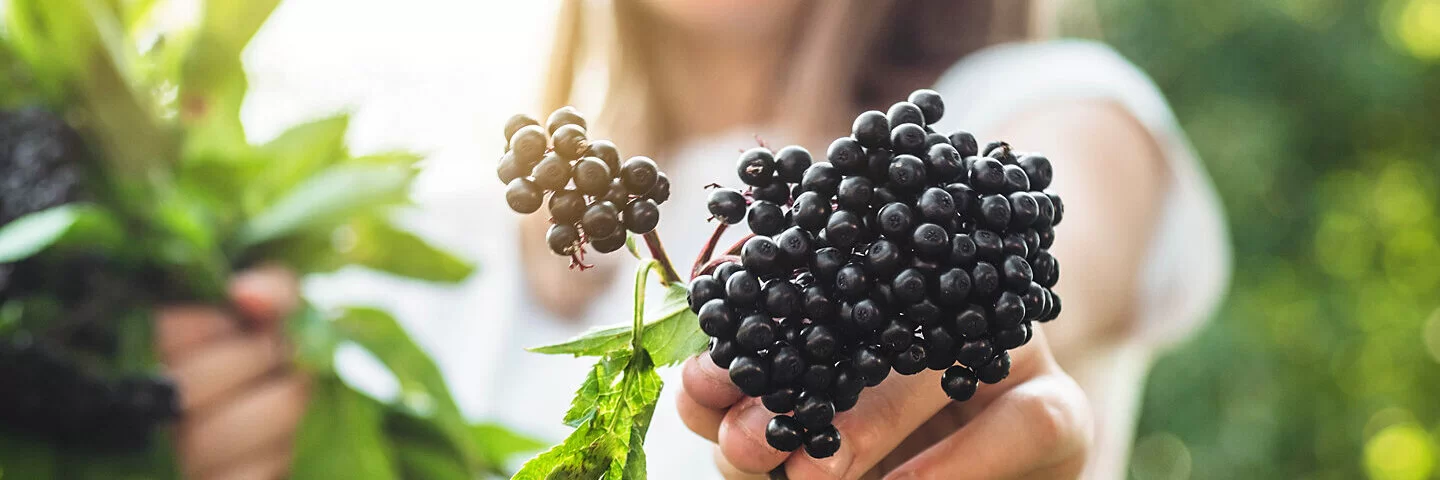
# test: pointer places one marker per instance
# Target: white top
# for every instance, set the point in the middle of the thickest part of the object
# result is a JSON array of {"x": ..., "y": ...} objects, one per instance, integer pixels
[{"x": 478, "y": 330}]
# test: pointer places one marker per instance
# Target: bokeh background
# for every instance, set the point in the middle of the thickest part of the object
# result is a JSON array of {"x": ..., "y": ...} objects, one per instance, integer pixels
[{"x": 1319, "y": 121}]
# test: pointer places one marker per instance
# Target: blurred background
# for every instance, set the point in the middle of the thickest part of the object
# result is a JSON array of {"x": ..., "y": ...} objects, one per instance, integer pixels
[{"x": 1319, "y": 121}]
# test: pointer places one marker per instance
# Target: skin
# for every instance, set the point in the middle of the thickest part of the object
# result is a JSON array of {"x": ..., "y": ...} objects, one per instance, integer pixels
[{"x": 241, "y": 401}]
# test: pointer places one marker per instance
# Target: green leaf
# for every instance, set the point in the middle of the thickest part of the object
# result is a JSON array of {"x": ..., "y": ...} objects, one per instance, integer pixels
[
  {"x": 73, "y": 225},
  {"x": 212, "y": 77},
  {"x": 328, "y": 199},
  {"x": 673, "y": 336},
  {"x": 391, "y": 250},
  {"x": 423, "y": 450},
  {"x": 497, "y": 445},
  {"x": 314, "y": 338},
  {"x": 303, "y": 150},
  {"x": 342, "y": 436},
  {"x": 607, "y": 443}
]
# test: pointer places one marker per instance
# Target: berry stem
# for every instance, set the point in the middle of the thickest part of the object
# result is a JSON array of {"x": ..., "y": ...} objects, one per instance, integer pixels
[
  {"x": 668, "y": 274},
  {"x": 735, "y": 249},
  {"x": 709, "y": 249},
  {"x": 710, "y": 265}
]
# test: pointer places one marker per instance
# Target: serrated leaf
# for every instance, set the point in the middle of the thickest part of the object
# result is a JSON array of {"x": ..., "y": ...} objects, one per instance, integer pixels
[
  {"x": 605, "y": 444},
  {"x": 328, "y": 199},
  {"x": 600, "y": 377},
  {"x": 342, "y": 435},
  {"x": 76, "y": 225},
  {"x": 673, "y": 336}
]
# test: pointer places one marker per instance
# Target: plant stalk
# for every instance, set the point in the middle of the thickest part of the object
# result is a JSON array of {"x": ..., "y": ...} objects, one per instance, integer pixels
[{"x": 668, "y": 274}]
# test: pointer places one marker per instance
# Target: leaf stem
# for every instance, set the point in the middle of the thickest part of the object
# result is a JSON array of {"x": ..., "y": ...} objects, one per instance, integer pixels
[
  {"x": 637, "y": 330},
  {"x": 668, "y": 274}
]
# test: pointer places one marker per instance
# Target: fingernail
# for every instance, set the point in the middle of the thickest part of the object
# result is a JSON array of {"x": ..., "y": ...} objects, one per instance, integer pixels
[
  {"x": 836, "y": 465},
  {"x": 753, "y": 419}
]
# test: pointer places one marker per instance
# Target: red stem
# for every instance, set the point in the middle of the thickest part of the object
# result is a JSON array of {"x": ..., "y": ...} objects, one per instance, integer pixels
[
  {"x": 657, "y": 251},
  {"x": 715, "y": 262},
  {"x": 709, "y": 249}
]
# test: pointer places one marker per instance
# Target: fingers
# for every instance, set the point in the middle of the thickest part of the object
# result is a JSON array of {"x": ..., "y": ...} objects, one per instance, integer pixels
[
  {"x": 179, "y": 330},
  {"x": 883, "y": 418},
  {"x": 261, "y": 420},
  {"x": 208, "y": 374},
  {"x": 1039, "y": 428},
  {"x": 265, "y": 295},
  {"x": 700, "y": 419},
  {"x": 730, "y": 472},
  {"x": 708, "y": 384},
  {"x": 742, "y": 438}
]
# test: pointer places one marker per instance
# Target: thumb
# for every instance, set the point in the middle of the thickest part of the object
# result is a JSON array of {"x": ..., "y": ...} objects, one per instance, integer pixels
[{"x": 265, "y": 295}]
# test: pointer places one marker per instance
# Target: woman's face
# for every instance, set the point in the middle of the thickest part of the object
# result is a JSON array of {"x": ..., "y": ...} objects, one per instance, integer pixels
[{"x": 731, "y": 18}]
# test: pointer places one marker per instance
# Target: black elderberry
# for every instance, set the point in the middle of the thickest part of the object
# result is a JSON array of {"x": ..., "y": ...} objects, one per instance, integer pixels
[
  {"x": 617, "y": 194},
  {"x": 909, "y": 286},
  {"x": 606, "y": 152},
  {"x": 765, "y": 218},
  {"x": 786, "y": 365},
  {"x": 930, "y": 104},
  {"x": 726, "y": 205},
  {"x": 912, "y": 360},
  {"x": 742, "y": 290},
  {"x": 516, "y": 122},
  {"x": 570, "y": 142},
  {"x": 848, "y": 381},
  {"x": 1033, "y": 298},
  {"x": 824, "y": 442},
  {"x": 883, "y": 258},
  {"x": 1014, "y": 244},
  {"x": 995, "y": 211},
  {"x": 844, "y": 229},
  {"x": 932, "y": 139},
  {"x": 1023, "y": 210},
  {"x": 851, "y": 281},
  {"x": 529, "y": 144},
  {"x": 963, "y": 250},
  {"x": 750, "y": 374},
  {"x": 1032, "y": 241},
  {"x": 1059, "y": 208},
  {"x": 871, "y": 129},
  {"x": 872, "y": 366},
  {"x": 984, "y": 281},
  {"x": 563, "y": 239},
  {"x": 811, "y": 211},
  {"x": 897, "y": 221},
  {"x": 925, "y": 312},
  {"x": 661, "y": 191},
  {"x": 591, "y": 176},
  {"x": 814, "y": 410},
  {"x": 907, "y": 172},
  {"x": 567, "y": 206},
  {"x": 930, "y": 241},
  {"x": 781, "y": 400},
  {"x": 781, "y": 298},
  {"x": 1004, "y": 154},
  {"x": 975, "y": 352},
  {"x": 795, "y": 246},
  {"x": 724, "y": 271},
  {"x": 877, "y": 164},
  {"x": 509, "y": 169},
  {"x": 953, "y": 287},
  {"x": 1009, "y": 310},
  {"x": 1016, "y": 272},
  {"x": 552, "y": 173},
  {"x": 723, "y": 352},
  {"x": 994, "y": 146},
  {"x": 1013, "y": 337},
  {"x": 760, "y": 255},
  {"x": 844, "y": 404},
  {"x": 1045, "y": 210},
  {"x": 639, "y": 174},
  {"x": 785, "y": 434},
  {"x": 988, "y": 245},
  {"x": 703, "y": 289},
  {"x": 959, "y": 383},
  {"x": 756, "y": 167},
  {"x": 791, "y": 162},
  {"x": 610, "y": 243},
  {"x": 847, "y": 156},
  {"x": 972, "y": 322},
  {"x": 967, "y": 201},
  {"x": 827, "y": 264},
  {"x": 996, "y": 370},
  {"x": 822, "y": 178},
  {"x": 987, "y": 175},
  {"x": 855, "y": 193},
  {"x": 602, "y": 219},
  {"x": 524, "y": 196},
  {"x": 718, "y": 319},
  {"x": 1038, "y": 169},
  {"x": 819, "y": 343},
  {"x": 775, "y": 192},
  {"x": 1054, "y": 308},
  {"x": 562, "y": 116},
  {"x": 965, "y": 143},
  {"x": 867, "y": 315},
  {"x": 897, "y": 336},
  {"x": 1015, "y": 179},
  {"x": 1046, "y": 269},
  {"x": 908, "y": 139},
  {"x": 943, "y": 162},
  {"x": 906, "y": 113},
  {"x": 936, "y": 205},
  {"x": 641, "y": 216},
  {"x": 817, "y": 305},
  {"x": 1046, "y": 237}
]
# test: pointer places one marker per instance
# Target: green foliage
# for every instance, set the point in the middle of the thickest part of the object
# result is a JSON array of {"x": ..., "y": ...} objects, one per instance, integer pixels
[
  {"x": 1317, "y": 121},
  {"x": 77, "y": 226},
  {"x": 612, "y": 409}
]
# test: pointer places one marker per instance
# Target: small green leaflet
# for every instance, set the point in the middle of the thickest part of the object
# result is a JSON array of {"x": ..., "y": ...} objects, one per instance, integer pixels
[
  {"x": 341, "y": 435},
  {"x": 671, "y": 338},
  {"x": 327, "y": 199},
  {"x": 81, "y": 224}
]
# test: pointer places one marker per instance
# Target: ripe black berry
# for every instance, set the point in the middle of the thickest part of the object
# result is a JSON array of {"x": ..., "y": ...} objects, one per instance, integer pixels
[
  {"x": 723, "y": 352},
  {"x": 765, "y": 218},
  {"x": 610, "y": 243},
  {"x": 1009, "y": 310},
  {"x": 995, "y": 211},
  {"x": 814, "y": 410},
  {"x": 606, "y": 152},
  {"x": 591, "y": 176},
  {"x": 965, "y": 143},
  {"x": 871, "y": 129},
  {"x": 855, "y": 193},
  {"x": 775, "y": 192},
  {"x": 953, "y": 287},
  {"x": 908, "y": 139},
  {"x": 984, "y": 281},
  {"x": 785, "y": 434},
  {"x": 726, "y": 205},
  {"x": 718, "y": 319},
  {"x": 848, "y": 381},
  {"x": 760, "y": 255},
  {"x": 552, "y": 173},
  {"x": 844, "y": 229},
  {"x": 1017, "y": 273},
  {"x": 897, "y": 221},
  {"x": 819, "y": 343},
  {"x": 827, "y": 263},
  {"x": 529, "y": 144},
  {"x": 930, "y": 104},
  {"x": 852, "y": 281},
  {"x": 509, "y": 169},
  {"x": 795, "y": 246},
  {"x": 1024, "y": 210},
  {"x": 781, "y": 298},
  {"x": 786, "y": 365},
  {"x": 975, "y": 352},
  {"x": 1038, "y": 169},
  {"x": 877, "y": 164},
  {"x": 703, "y": 289},
  {"x": 742, "y": 290},
  {"x": 617, "y": 194},
  {"x": 750, "y": 374},
  {"x": 963, "y": 250},
  {"x": 817, "y": 305},
  {"x": 639, "y": 174},
  {"x": 821, "y": 178},
  {"x": 1015, "y": 179},
  {"x": 943, "y": 162},
  {"x": 967, "y": 201},
  {"x": 1045, "y": 209},
  {"x": 756, "y": 167},
  {"x": 811, "y": 211},
  {"x": 516, "y": 122},
  {"x": 905, "y": 113},
  {"x": 996, "y": 370},
  {"x": 971, "y": 322},
  {"x": 867, "y": 315},
  {"x": 936, "y": 205},
  {"x": 930, "y": 241},
  {"x": 641, "y": 215},
  {"x": 1014, "y": 337},
  {"x": 883, "y": 258},
  {"x": 912, "y": 360},
  {"x": 570, "y": 141},
  {"x": 958, "y": 383},
  {"x": 791, "y": 162},
  {"x": 1059, "y": 207},
  {"x": 1014, "y": 244},
  {"x": 907, "y": 172},
  {"x": 562, "y": 116},
  {"x": 523, "y": 196},
  {"x": 661, "y": 191},
  {"x": 602, "y": 219},
  {"x": 566, "y": 206},
  {"x": 988, "y": 245},
  {"x": 724, "y": 271},
  {"x": 987, "y": 175},
  {"x": 847, "y": 156},
  {"x": 873, "y": 366},
  {"x": 897, "y": 336},
  {"x": 1046, "y": 269},
  {"x": 909, "y": 286},
  {"x": 563, "y": 238},
  {"x": 781, "y": 400},
  {"x": 824, "y": 442}
]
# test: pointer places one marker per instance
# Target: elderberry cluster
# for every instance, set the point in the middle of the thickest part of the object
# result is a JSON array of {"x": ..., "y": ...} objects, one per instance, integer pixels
[
  {"x": 906, "y": 250},
  {"x": 593, "y": 197},
  {"x": 48, "y": 394}
]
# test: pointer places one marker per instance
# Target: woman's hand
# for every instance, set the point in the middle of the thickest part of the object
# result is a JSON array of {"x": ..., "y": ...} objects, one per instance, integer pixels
[
  {"x": 240, "y": 399},
  {"x": 1034, "y": 424}
]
